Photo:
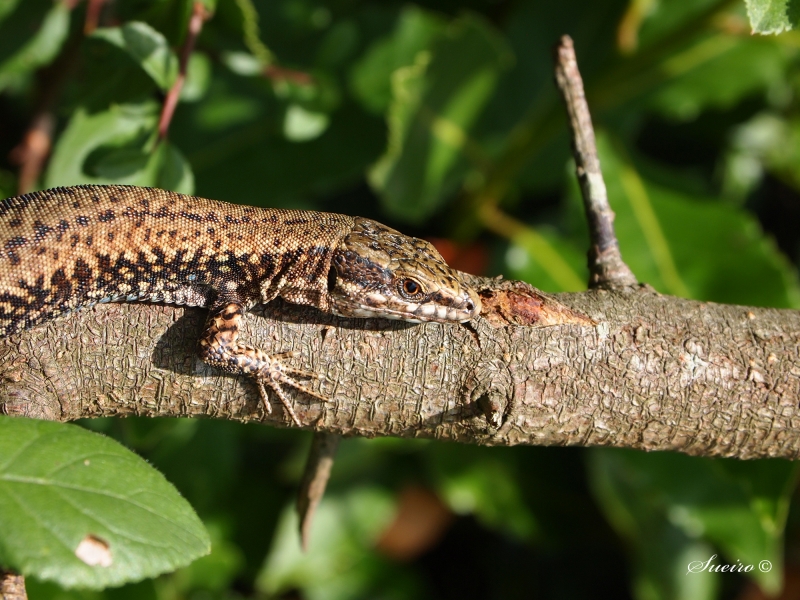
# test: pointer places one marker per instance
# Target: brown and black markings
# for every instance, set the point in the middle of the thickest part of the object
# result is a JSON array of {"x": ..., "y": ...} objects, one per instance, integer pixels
[{"x": 68, "y": 248}]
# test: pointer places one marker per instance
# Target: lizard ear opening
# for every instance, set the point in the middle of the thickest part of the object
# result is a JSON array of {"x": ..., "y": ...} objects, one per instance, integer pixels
[{"x": 332, "y": 275}]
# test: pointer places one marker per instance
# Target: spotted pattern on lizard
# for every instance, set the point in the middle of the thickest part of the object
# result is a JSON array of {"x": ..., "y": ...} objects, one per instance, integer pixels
[{"x": 68, "y": 248}]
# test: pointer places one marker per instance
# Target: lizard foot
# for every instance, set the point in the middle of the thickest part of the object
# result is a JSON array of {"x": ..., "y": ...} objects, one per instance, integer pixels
[{"x": 275, "y": 373}]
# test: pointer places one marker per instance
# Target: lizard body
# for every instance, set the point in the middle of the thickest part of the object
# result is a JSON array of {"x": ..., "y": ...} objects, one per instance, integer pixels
[{"x": 67, "y": 248}]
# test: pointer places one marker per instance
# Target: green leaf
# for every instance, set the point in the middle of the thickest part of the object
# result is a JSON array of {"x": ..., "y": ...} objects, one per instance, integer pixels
[
  {"x": 542, "y": 257},
  {"x": 198, "y": 78},
  {"x": 38, "y": 49},
  {"x": 43, "y": 590},
  {"x": 217, "y": 570},
  {"x": 79, "y": 509},
  {"x": 301, "y": 125},
  {"x": 699, "y": 77},
  {"x": 117, "y": 146},
  {"x": 114, "y": 140},
  {"x": 7, "y": 7},
  {"x": 172, "y": 170},
  {"x": 371, "y": 77},
  {"x": 242, "y": 63},
  {"x": 772, "y": 16},
  {"x": 435, "y": 103},
  {"x": 225, "y": 161},
  {"x": 338, "y": 45},
  {"x": 147, "y": 47},
  {"x": 666, "y": 499},
  {"x": 663, "y": 230},
  {"x": 770, "y": 142},
  {"x": 340, "y": 562},
  {"x": 486, "y": 484}
]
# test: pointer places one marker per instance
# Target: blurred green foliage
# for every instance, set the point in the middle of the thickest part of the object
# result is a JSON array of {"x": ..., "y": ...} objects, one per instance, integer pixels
[{"x": 433, "y": 116}]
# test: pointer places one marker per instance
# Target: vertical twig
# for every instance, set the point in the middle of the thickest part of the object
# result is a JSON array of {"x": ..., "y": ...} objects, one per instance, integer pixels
[
  {"x": 606, "y": 267},
  {"x": 93, "y": 10},
  {"x": 315, "y": 479},
  {"x": 12, "y": 586},
  {"x": 33, "y": 150},
  {"x": 199, "y": 16}
]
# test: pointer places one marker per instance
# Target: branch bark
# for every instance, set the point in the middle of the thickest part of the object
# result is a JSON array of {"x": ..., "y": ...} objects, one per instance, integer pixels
[
  {"x": 606, "y": 267},
  {"x": 654, "y": 373},
  {"x": 12, "y": 586}
]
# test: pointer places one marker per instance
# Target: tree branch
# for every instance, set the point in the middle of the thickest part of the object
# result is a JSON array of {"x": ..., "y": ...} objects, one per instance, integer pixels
[
  {"x": 655, "y": 373},
  {"x": 12, "y": 586}
]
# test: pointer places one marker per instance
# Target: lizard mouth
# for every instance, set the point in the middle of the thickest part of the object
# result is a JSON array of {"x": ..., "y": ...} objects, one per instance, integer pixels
[{"x": 379, "y": 307}]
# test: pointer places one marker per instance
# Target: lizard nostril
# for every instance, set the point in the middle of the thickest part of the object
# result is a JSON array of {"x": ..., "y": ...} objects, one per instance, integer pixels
[{"x": 470, "y": 306}]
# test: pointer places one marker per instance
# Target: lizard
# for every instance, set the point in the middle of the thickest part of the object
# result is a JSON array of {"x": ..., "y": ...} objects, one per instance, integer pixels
[{"x": 68, "y": 248}]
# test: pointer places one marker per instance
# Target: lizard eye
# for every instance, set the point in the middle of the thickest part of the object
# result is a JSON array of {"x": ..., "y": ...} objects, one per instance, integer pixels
[{"x": 410, "y": 287}]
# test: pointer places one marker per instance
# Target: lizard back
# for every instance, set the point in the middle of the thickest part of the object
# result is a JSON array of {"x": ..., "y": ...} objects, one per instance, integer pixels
[{"x": 65, "y": 248}]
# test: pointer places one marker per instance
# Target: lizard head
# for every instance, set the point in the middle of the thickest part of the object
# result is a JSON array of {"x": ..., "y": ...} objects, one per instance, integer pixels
[{"x": 379, "y": 272}]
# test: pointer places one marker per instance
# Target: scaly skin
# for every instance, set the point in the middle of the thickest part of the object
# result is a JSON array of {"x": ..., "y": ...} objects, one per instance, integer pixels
[{"x": 68, "y": 248}]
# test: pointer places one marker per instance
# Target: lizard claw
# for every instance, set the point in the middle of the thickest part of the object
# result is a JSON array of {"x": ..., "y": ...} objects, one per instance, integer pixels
[{"x": 276, "y": 373}]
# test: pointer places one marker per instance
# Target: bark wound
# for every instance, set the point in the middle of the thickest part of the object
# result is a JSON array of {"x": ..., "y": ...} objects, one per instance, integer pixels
[{"x": 517, "y": 303}]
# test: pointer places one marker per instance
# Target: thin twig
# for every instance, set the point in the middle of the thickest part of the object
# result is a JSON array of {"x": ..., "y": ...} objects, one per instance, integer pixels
[
  {"x": 315, "y": 479},
  {"x": 606, "y": 267},
  {"x": 199, "y": 16},
  {"x": 278, "y": 74},
  {"x": 93, "y": 10},
  {"x": 32, "y": 152},
  {"x": 252, "y": 33}
]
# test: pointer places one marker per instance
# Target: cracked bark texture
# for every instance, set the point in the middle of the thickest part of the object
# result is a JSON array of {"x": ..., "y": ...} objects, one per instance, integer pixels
[{"x": 655, "y": 373}]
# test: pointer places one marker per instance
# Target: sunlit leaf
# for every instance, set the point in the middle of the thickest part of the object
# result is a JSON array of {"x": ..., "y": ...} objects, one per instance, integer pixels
[
  {"x": 371, "y": 76},
  {"x": 114, "y": 139},
  {"x": 345, "y": 530},
  {"x": 435, "y": 102},
  {"x": 242, "y": 63},
  {"x": 148, "y": 47},
  {"x": 172, "y": 170},
  {"x": 539, "y": 256},
  {"x": 79, "y": 509},
  {"x": 772, "y": 16},
  {"x": 118, "y": 146},
  {"x": 301, "y": 125}
]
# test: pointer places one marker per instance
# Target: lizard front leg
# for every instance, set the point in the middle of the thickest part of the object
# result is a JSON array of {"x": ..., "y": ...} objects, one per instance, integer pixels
[{"x": 219, "y": 348}]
